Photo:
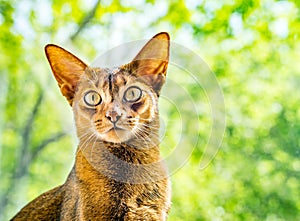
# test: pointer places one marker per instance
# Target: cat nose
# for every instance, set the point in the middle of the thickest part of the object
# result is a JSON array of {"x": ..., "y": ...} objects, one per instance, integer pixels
[{"x": 112, "y": 116}]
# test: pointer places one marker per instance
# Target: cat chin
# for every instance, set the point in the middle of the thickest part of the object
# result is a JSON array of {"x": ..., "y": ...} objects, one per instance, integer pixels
[{"x": 116, "y": 136}]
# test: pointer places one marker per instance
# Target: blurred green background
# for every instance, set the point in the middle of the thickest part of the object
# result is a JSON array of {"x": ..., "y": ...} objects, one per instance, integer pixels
[{"x": 252, "y": 47}]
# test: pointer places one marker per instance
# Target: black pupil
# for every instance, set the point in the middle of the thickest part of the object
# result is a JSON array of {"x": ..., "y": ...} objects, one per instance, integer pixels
[{"x": 132, "y": 94}]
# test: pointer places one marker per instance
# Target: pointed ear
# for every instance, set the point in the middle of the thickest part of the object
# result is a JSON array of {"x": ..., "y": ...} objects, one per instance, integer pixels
[
  {"x": 67, "y": 69},
  {"x": 151, "y": 63}
]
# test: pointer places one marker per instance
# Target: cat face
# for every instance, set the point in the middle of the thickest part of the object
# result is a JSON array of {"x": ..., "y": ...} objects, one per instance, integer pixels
[
  {"x": 118, "y": 104},
  {"x": 114, "y": 105}
]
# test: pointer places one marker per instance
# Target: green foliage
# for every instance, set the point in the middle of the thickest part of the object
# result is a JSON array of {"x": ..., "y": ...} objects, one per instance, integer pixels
[{"x": 251, "y": 46}]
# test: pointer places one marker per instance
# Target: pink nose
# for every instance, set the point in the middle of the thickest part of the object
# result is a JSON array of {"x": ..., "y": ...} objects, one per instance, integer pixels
[{"x": 112, "y": 116}]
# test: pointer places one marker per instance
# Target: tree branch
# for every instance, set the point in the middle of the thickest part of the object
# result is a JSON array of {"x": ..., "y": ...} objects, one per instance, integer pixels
[
  {"x": 24, "y": 155},
  {"x": 23, "y": 158},
  {"x": 86, "y": 20},
  {"x": 45, "y": 143},
  {"x": 5, "y": 198}
]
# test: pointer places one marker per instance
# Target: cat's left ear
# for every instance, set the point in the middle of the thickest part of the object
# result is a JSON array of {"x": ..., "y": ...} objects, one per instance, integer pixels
[
  {"x": 151, "y": 63},
  {"x": 67, "y": 69}
]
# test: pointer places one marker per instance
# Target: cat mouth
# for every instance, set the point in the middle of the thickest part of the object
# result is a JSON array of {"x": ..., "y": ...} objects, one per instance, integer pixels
[
  {"x": 115, "y": 128},
  {"x": 116, "y": 135}
]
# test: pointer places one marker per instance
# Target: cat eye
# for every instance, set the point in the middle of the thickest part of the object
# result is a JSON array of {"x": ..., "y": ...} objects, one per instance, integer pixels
[
  {"x": 132, "y": 94},
  {"x": 92, "y": 98}
]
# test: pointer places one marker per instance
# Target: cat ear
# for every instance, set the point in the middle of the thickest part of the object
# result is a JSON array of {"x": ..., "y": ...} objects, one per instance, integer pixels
[
  {"x": 67, "y": 69},
  {"x": 151, "y": 63}
]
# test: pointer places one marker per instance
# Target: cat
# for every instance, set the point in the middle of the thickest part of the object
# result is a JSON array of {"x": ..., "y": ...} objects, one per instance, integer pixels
[{"x": 118, "y": 172}]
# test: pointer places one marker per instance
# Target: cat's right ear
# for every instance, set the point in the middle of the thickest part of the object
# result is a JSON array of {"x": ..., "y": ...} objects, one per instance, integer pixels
[{"x": 67, "y": 69}]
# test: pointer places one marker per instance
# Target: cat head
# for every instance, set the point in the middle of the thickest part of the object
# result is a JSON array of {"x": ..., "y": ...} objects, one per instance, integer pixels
[{"x": 114, "y": 104}]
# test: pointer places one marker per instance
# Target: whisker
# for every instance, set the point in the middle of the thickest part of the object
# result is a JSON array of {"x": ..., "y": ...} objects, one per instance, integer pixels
[
  {"x": 148, "y": 126},
  {"x": 140, "y": 136},
  {"x": 146, "y": 138},
  {"x": 85, "y": 134},
  {"x": 86, "y": 142},
  {"x": 164, "y": 119},
  {"x": 154, "y": 126},
  {"x": 84, "y": 127},
  {"x": 94, "y": 142}
]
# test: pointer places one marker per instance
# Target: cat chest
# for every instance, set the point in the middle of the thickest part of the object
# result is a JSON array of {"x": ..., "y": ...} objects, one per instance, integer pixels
[{"x": 123, "y": 200}]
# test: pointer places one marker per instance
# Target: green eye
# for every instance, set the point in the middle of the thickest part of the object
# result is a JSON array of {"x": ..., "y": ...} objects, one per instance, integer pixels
[
  {"x": 92, "y": 98},
  {"x": 132, "y": 94}
]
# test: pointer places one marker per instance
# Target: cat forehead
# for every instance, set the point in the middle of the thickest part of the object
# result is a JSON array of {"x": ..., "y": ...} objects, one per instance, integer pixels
[
  {"x": 102, "y": 75},
  {"x": 110, "y": 79}
]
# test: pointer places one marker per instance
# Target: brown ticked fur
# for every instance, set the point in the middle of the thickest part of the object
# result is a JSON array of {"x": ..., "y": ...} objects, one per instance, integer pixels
[{"x": 118, "y": 174}]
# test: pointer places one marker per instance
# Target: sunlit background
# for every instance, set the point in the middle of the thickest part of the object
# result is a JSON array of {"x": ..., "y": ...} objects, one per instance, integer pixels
[{"x": 252, "y": 47}]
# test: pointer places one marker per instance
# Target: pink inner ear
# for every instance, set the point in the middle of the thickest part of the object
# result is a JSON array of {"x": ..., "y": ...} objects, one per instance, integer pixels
[
  {"x": 156, "y": 81},
  {"x": 152, "y": 71},
  {"x": 152, "y": 61},
  {"x": 68, "y": 91},
  {"x": 67, "y": 69}
]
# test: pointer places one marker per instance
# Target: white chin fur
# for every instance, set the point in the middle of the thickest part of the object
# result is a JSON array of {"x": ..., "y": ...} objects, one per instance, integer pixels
[{"x": 115, "y": 136}]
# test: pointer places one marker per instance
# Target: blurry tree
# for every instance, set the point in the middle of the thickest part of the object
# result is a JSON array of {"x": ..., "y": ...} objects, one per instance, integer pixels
[{"x": 252, "y": 47}]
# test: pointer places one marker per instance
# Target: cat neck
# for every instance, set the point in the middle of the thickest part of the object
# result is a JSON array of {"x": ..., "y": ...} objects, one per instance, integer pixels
[{"x": 122, "y": 162}]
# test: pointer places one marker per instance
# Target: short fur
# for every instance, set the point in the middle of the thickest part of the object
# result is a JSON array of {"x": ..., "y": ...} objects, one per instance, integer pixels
[{"x": 118, "y": 174}]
